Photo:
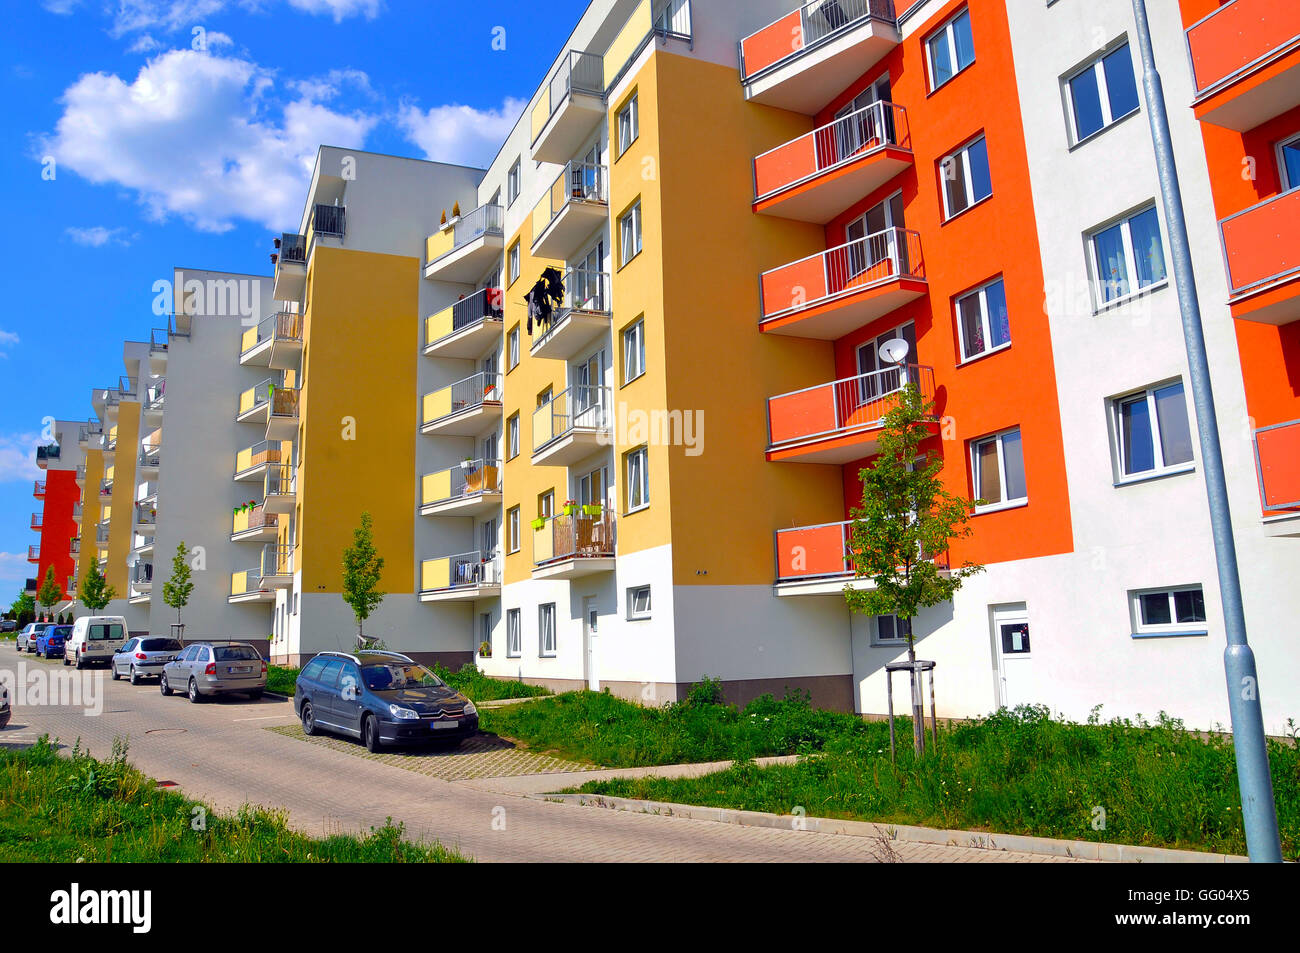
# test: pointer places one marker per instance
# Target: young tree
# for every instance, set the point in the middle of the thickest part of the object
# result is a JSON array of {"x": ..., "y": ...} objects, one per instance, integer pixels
[
  {"x": 96, "y": 593},
  {"x": 362, "y": 567},
  {"x": 177, "y": 589},
  {"x": 50, "y": 591},
  {"x": 900, "y": 534}
]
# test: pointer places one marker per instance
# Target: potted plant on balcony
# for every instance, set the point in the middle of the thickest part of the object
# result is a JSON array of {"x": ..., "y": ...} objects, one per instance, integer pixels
[
  {"x": 485, "y": 650},
  {"x": 570, "y": 507},
  {"x": 539, "y": 523},
  {"x": 592, "y": 509},
  {"x": 443, "y": 223}
]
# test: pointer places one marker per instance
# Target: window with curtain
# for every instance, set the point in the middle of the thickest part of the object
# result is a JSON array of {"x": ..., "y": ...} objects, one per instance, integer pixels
[
  {"x": 966, "y": 178},
  {"x": 982, "y": 321},
  {"x": 998, "y": 468},
  {"x": 1128, "y": 256}
]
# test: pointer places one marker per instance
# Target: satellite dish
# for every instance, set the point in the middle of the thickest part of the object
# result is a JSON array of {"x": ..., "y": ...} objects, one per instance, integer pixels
[{"x": 894, "y": 351}]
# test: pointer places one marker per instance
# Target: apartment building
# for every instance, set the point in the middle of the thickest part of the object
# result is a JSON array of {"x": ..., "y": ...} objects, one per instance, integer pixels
[{"x": 608, "y": 399}]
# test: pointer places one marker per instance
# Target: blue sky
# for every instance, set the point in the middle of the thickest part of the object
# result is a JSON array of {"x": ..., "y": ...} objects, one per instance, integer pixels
[{"x": 181, "y": 132}]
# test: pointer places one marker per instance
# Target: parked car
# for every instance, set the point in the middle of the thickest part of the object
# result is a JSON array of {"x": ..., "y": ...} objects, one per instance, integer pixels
[
  {"x": 27, "y": 637},
  {"x": 144, "y": 657},
  {"x": 381, "y": 698},
  {"x": 49, "y": 644},
  {"x": 215, "y": 668},
  {"x": 8, "y": 625},
  {"x": 94, "y": 638},
  {"x": 5, "y": 710}
]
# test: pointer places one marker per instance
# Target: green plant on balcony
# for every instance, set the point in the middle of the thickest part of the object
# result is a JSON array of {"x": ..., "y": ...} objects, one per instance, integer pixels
[
  {"x": 539, "y": 523},
  {"x": 570, "y": 507},
  {"x": 592, "y": 509},
  {"x": 485, "y": 650}
]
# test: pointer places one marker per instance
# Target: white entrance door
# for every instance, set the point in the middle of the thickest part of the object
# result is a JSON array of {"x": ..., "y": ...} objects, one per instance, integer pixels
[
  {"x": 1011, "y": 641},
  {"x": 589, "y": 623}
]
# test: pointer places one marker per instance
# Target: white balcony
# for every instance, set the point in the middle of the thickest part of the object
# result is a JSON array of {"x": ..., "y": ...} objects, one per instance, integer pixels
[
  {"x": 572, "y": 425},
  {"x": 467, "y": 408},
  {"x": 471, "y": 488},
  {"x": 275, "y": 342},
  {"x": 571, "y": 105},
  {"x": 465, "y": 577},
  {"x": 583, "y": 316},
  {"x": 466, "y": 328},
  {"x": 576, "y": 204},
  {"x": 464, "y": 249},
  {"x": 574, "y": 545}
]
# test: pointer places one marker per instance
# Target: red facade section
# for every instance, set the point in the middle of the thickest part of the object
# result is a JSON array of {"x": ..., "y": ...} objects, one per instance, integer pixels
[{"x": 58, "y": 529}]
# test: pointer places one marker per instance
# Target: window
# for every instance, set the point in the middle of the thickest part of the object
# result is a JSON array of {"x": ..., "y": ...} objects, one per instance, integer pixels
[
  {"x": 546, "y": 630},
  {"x": 1128, "y": 256},
  {"x": 638, "y": 602},
  {"x": 950, "y": 50},
  {"x": 638, "y": 479},
  {"x": 1152, "y": 434},
  {"x": 1175, "y": 611},
  {"x": 513, "y": 183},
  {"x": 966, "y": 177},
  {"x": 513, "y": 640},
  {"x": 1288, "y": 162},
  {"x": 512, "y": 267},
  {"x": 888, "y": 630},
  {"x": 982, "y": 322},
  {"x": 629, "y": 233},
  {"x": 1101, "y": 93},
  {"x": 512, "y": 437},
  {"x": 629, "y": 125},
  {"x": 546, "y": 504},
  {"x": 512, "y": 530},
  {"x": 998, "y": 466},
  {"x": 512, "y": 349},
  {"x": 633, "y": 352}
]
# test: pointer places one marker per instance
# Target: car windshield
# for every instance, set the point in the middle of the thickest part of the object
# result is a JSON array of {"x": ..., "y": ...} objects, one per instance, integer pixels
[
  {"x": 159, "y": 645},
  {"x": 104, "y": 630},
  {"x": 235, "y": 653},
  {"x": 392, "y": 676}
]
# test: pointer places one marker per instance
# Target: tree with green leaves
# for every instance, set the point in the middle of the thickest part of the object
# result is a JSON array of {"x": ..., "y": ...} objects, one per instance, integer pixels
[
  {"x": 362, "y": 567},
  {"x": 23, "y": 608},
  {"x": 900, "y": 535},
  {"x": 96, "y": 593},
  {"x": 50, "y": 591},
  {"x": 177, "y": 589}
]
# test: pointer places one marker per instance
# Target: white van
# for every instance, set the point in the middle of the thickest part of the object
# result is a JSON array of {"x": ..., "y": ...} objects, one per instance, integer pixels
[{"x": 95, "y": 638}]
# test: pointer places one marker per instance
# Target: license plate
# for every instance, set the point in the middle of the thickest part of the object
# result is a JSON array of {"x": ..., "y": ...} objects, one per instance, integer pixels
[
  {"x": 439, "y": 725},
  {"x": 239, "y": 669}
]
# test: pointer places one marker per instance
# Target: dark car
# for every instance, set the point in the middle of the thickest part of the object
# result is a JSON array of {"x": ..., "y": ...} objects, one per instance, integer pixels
[
  {"x": 49, "y": 644},
  {"x": 381, "y": 698}
]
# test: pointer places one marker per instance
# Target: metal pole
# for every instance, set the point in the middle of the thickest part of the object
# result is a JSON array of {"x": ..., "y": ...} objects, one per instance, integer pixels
[{"x": 1258, "y": 813}]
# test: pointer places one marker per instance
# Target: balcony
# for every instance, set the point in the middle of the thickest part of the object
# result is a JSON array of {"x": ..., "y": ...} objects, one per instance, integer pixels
[
  {"x": 47, "y": 453},
  {"x": 1277, "y": 461},
  {"x": 827, "y": 295},
  {"x": 158, "y": 348},
  {"x": 106, "y": 484},
  {"x": 276, "y": 567},
  {"x": 570, "y": 106},
  {"x": 254, "y": 524},
  {"x": 575, "y": 205},
  {"x": 799, "y": 61},
  {"x": 245, "y": 586},
  {"x": 151, "y": 408},
  {"x": 471, "y": 488},
  {"x": 282, "y": 416},
  {"x": 290, "y": 260},
  {"x": 570, "y": 546},
  {"x": 77, "y": 510},
  {"x": 464, "y": 577},
  {"x": 79, "y": 476},
  {"x": 1245, "y": 59},
  {"x": 74, "y": 546},
  {"x": 34, "y": 554},
  {"x": 141, "y": 576},
  {"x": 29, "y": 587},
  {"x": 149, "y": 460},
  {"x": 840, "y": 421},
  {"x": 813, "y": 561},
  {"x": 101, "y": 535},
  {"x": 466, "y": 328},
  {"x": 145, "y": 517},
  {"x": 255, "y": 403},
  {"x": 37, "y": 521},
  {"x": 819, "y": 175},
  {"x": 275, "y": 341},
  {"x": 467, "y": 408},
  {"x": 1261, "y": 250},
  {"x": 584, "y": 314},
  {"x": 279, "y": 488},
  {"x": 142, "y": 545},
  {"x": 465, "y": 248},
  {"x": 573, "y": 424},
  {"x": 90, "y": 435},
  {"x": 38, "y": 490},
  {"x": 251, "y": 462}
]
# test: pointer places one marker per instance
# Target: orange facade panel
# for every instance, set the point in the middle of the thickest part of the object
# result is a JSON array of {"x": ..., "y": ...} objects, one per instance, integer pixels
[
  {"x": 773, "y": 43},
  {"x": 1277, "y": 455},
  {"x": 810, "y": 551},
  {"x": 1261, "y": 245},
  {"x": 1238, "y": 36}
]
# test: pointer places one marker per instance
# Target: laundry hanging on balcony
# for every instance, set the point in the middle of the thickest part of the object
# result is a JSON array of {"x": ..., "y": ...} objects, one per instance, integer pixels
[{"x": 546, "y": 295}]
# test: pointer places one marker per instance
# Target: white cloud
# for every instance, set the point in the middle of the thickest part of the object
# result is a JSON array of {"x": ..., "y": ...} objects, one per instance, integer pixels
[
  {"x": 459, "y": 134},
  {"x": 144, "y": 43},
  {"x": 97, "y": 236},
  {"x": 18, "y": 457},
  {"x": 61, "y": 7},
  {"x": 340, "y": 9},
  {"x": 195, "y": 135},
  {"x": 133, "y": 16},
  {"x": 14, "y": 567},
  {"x": 7, "y": 340}
]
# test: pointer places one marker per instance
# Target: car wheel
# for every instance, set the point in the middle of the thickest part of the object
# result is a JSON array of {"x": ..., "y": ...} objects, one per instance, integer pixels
[
  {"x": 163, "y": 686},
  {"x": 65, "y": 659},
  {"x": 135, "y": 676},
  {"x": 195, "y": 697},
  {"x": 112, "y": 670},
  {"x": 370, "y": 734},
  {"x": 308, "y": 719},
  {"x": 79, "y": 662}
]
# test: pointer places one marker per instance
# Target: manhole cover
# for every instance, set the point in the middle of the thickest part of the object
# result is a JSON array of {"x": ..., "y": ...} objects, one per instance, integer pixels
[{"x": 160, "y": 731}]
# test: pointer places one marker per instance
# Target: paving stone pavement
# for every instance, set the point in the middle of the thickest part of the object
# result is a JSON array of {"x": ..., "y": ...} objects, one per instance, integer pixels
[{"x": 219, "y": 752}]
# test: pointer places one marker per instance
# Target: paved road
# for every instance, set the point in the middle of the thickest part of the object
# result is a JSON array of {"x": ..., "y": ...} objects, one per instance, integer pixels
[{"x": 221, "y": 752}]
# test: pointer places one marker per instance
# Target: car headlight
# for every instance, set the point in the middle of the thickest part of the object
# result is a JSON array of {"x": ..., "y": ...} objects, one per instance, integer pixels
[
  {"x": 402, "y": 714},
  {"x": 470, "y": 709}
]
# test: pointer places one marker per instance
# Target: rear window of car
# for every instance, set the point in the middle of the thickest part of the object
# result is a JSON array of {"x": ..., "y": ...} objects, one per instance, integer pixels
[
  {"x": 159, "y": 645},
  {"x": 60, "y": 632},
  {"x": 236, "y": 653},
  {"x": 106, "y": 630},
  {"x": 40, "y": 626}
]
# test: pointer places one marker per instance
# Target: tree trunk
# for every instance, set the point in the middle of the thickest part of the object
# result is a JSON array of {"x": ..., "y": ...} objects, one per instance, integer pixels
[{"x": 918, "y": 709}]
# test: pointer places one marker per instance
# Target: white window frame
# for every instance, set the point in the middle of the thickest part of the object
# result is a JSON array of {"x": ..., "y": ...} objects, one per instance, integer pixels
[
  {"x": 513, "y": 537},
  {"x": 512, "y": 264},
  {"x": 514, "y": 182},
  {"x": 512, "y": 349},
  {"x": 1283, "y": 179},
  {"x": 514, "y": 637},
  {"x": 986, "y": 322},
  {"x": 1173, "y": 627},
  {"x": 961, "y": 157},
  {"x": 1103, "y": 92},
  {"x": 634, "y": 339},
  {"x": 543, "y": 616},
  {"x": 641, "y": 453},
  {"x": 633, "y": 113},
  {"x": 633, "y": 613},
  {"x": 1125, "y": 223},
  {"x": 1158, "y": 453},
  {"x": 950, "y": 41},
  {"x": 512, "y": 437},
  {"x": 877, "y": 639},
  {"x": 632, "y": 218},
  {"x": 998, "y": 438}
]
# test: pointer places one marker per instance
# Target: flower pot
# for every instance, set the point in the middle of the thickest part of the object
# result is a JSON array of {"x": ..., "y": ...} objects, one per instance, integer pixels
[
  {"x": 570, "y": 510},
  {"x": 592, "y": 509},
  {"x": 539, "y": 523}
]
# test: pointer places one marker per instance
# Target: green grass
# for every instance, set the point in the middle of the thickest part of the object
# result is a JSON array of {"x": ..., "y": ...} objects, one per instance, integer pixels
[
  {"x": 477, "y": 687},
  {"x": 1015, "y": 772},
  {"x": 60, "y": 809},
  {"x": 281, "y": 678}
]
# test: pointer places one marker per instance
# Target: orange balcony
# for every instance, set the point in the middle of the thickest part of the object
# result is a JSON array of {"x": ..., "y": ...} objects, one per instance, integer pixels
[
  {"x": 814, "y": 560},
  {"x": 840, "y": 421},
  {"x": 821, "y": 47},
  {"x": 1245, "y": 60},
  {"x": 817, "y": 176},
  {"x": 1261, "y": 251},
  {"x": 1277, "y": 459},
  {"x": 39, "y": 489},
  {"x": 829, "y": 294}
]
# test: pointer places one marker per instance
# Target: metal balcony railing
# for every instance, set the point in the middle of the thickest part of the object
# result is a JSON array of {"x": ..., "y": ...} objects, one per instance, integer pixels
[
  {"x": 50, "y": 451},
  {"x": 74, "y": 546},
  {"x": 578, "y": 72},
  {"x": 329, "y": 220},
  {"x": 292, "y": 248},
  {"x": 574, "y": 536},
  {"x": 484, "y": 220},
  {"x": 91, "y": 430},
  {"x": 106, "y": 486},
  {"x": 276, "y": 560},
  {"x": 39, "y": 490},
  {"x": 267, "y": 451},
  {"x": 81, "y": 473},
  {"x": 158, "y": 341},
  {"x": 38, "y": 520},
  {"x": 279, "y": 480},
  {"x": 77, "y": 510},
  {"x": 577, "y": 408},
  {"x": 33, "y": 553},
  {"x": 845, "y": 140},
  {"x": 141, "y": 542},
  {"x": 150, "y": 455},
  {"x": 821, "y": 551},
  {"x": 464, "y": 395},
  {"x": 283, "y": 326},
  {"x": 585, "y": 291},
  {"x": 809, "y": 26},
  {"x": 154, "y": 394},
  {"x": 586, "y": 182},
  {"x": 255, "y": 518},
  {"x": 101, "y": 533},
  {"x": 852, "y": 404},
  {"x": 256, "y": 396},
  {"x": 145, "y": 514},
  {"x": 466, "y": 479},
  {"x": 459, "y": 571},
  {"x": 128, "y": 386},
  {"x": 141, "y": 574}
]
